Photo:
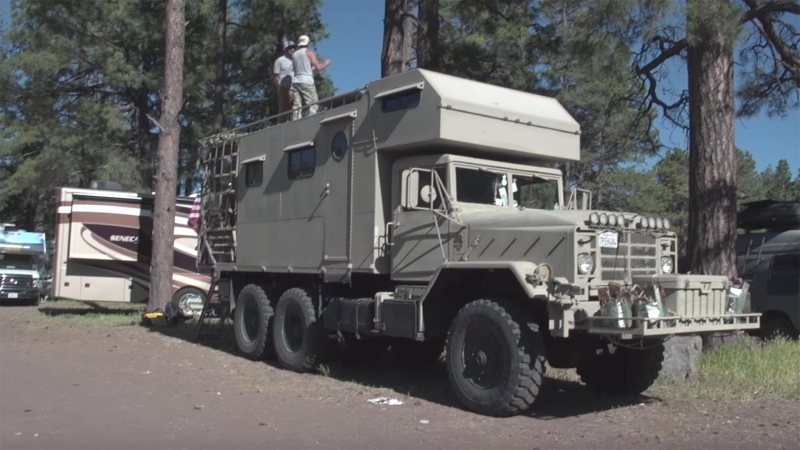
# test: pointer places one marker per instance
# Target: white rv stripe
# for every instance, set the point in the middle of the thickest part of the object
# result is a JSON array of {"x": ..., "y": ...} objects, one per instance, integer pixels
[
  {"x": 64, "y": 209},
  {"x": 122, "y": 210}
]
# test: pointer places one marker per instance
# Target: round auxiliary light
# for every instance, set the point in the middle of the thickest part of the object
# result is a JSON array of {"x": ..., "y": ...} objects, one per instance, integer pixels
[
  {"x": 621, "y": 220},
  {"x": 544, "y": 272},
  {"x": 603, "y": 219},
  {"x": 666, "y": 264},
  {"x": 612, "y": 220},
  {"x": 585, "y": 263},
  {"x": 642, "y": 222},
  {"x": 666, "y": 224},
  {"x": 594, "y": 218},
  {"x": 659, "y": 223},
  {"x": 651, "y": 222}
]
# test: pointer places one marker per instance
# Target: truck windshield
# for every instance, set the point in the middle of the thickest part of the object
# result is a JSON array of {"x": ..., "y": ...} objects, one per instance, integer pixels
[
  {"x": 15, "y": 261},
  {"x": 480, "y": 186},
  {"x": 492, "y": 188},
  {"x": 531, "y": 191}
]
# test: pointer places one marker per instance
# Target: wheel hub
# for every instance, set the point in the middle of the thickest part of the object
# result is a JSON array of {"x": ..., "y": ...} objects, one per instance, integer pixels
[{"x": 481, "y": 358}]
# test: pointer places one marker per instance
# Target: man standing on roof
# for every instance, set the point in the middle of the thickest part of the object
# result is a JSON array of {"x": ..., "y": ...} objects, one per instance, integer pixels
[
  {"x": 305, "y": 62},
  {"x": 283, "y": 76}
]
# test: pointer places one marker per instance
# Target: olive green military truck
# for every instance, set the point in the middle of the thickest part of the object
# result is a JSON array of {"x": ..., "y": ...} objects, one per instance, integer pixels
[{"x": 423, "y": 211}]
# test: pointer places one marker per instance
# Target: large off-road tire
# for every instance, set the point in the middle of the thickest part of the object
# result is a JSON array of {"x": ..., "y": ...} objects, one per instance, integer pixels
[
  {"x": 410, "y": 353},
  {"x": 495, "y": 358},
  {"x": 297, "y": 334},
  {"x": 777, "y": 325},
  {"x": 627, "y": 371},
  {"x": 252, "y": 323}
]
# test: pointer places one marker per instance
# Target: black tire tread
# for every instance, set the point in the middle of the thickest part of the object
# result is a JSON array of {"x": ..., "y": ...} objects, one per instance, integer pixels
[
  {"x": 628, "y": 371},
  {"x": 313, "y": 347},
  {"x": 530, "y": 350},
  {"x": 262, "y": 348}
]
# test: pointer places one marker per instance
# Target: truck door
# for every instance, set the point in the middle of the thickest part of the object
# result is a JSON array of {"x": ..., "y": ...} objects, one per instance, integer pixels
[
  {"x": 334, "y": 145},
  {"x": 421, "y": 227}
]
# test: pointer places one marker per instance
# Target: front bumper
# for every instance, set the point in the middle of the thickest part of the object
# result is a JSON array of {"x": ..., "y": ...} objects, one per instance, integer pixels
[
  {"x": 631, "y": 327},
  {"x": 20, "y": 294}
]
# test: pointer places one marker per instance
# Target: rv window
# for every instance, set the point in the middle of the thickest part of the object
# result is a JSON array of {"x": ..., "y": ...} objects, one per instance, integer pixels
[
  {"x": 302, "y": 163},
  {"x": 783, "y": 275},
  {"x": 339, "y": 145},
  {"x": 253, "y": 173},
  {"x": 403, "y": 100}
]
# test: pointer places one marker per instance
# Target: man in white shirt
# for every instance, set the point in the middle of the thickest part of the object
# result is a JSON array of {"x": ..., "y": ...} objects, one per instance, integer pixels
[
  {"x": 305, "y": 62},
  {"x": 283, "y": 77}
]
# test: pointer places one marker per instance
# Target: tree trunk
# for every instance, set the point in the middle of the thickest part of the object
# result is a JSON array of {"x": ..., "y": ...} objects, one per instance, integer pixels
[
  {"x": 219, "y": 79},
  {"x": 399, "y": 31},
  {"x": 428, "y": 35},
  {"x": 712, "y": 156},
  {"x": 167, "y": 167}
]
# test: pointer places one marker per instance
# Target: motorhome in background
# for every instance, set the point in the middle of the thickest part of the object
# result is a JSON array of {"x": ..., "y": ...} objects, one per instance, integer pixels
[
  {"x": 103, "y": 247},
  {"x": 23, "y": 259}
]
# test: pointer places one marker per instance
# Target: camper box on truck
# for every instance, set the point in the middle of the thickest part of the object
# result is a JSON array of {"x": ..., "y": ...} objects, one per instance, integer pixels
[
  {"x": 103, "y": 244},
  {"x": 424, "y": 211},
  {"x": 23, "y": 257}
]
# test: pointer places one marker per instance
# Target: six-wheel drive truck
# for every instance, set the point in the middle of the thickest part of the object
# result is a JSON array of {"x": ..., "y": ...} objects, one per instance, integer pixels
[
  {"x": 23, "y": 256},
  {"x": 421, "y": 211}
]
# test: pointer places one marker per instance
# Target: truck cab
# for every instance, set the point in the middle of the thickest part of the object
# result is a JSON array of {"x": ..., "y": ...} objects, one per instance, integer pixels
[{"x": 22, "y": 263}]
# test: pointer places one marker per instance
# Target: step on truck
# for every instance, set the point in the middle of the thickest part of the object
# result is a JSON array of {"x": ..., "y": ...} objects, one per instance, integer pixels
[{"x": 423, "y": 211}]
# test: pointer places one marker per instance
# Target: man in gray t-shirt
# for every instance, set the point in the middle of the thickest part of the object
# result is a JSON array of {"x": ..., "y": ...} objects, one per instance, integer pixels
[
  {"x": 305, "y": 62},
  {"x": 283, "y": 78}
]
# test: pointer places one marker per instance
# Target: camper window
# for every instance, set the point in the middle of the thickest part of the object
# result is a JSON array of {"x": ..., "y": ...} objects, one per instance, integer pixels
[
  {"x": 253, "y": 173},
  {"x": 302, "y": 163},
  {"x": 783, "y": 275},
  {"x": 339, "y": 145},
  {"x": 403, "y": 100}
]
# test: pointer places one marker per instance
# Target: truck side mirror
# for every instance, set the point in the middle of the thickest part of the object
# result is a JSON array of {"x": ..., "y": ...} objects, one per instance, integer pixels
[{"x": 409, "y": 191}]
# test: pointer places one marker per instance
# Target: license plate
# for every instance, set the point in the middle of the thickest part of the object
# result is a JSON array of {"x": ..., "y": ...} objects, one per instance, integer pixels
[
  {"x": 12, "y": 295},
  {"x": 608, "y": 239}
]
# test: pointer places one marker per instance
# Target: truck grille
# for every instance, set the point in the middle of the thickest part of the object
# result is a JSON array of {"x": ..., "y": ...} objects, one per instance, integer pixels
[
  {"x": 16, "y": 281},
  {"x": 635, "y": 247}
]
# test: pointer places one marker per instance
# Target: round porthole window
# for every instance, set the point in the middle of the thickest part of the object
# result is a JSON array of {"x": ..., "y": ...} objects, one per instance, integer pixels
[{"x": 339, "y": 145}]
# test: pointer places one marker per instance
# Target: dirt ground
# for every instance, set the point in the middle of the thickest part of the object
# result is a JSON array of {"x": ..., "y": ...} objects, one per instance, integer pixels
[{"x": 65, "y": 384}]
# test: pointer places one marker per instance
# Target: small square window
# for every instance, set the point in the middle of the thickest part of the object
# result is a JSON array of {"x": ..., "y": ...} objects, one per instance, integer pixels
[
  {"x": 403, "y": 100},
  {"x": 253, "y": 173},
  {"x": 302, "y": 163}
]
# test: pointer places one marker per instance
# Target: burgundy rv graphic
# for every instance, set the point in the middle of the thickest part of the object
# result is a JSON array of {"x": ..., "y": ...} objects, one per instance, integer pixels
[{"x": 103, "y": 244}]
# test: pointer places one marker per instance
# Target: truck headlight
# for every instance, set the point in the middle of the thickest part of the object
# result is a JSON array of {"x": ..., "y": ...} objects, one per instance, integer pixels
[
  {"x": 585, "y": 263},
  {"x": 603, "y": 219},
  {"x": 666, "y": 264},
  {"x": 594, "y": 218},
  {"x": 666, "y": 224}
]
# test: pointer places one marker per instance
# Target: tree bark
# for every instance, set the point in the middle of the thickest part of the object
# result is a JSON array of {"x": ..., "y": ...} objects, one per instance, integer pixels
[
  {"x": 219, "y": 79},
  {"x": 399, "y": 36},
  {"x": 428, "y": 35},
  {"x": 712, "y": 157},
  {"x": 167, "y": 166}
]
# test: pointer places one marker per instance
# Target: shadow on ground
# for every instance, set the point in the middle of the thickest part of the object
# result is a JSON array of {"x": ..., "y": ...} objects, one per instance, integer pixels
[
  {"x": 557, "y": 399},
  {"x": 52, "y": 308}
]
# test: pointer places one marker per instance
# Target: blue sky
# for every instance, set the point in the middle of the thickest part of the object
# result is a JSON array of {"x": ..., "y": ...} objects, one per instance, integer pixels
[
  {"x": 354, "y": 44},
  {"x": 356, "y": 38}
]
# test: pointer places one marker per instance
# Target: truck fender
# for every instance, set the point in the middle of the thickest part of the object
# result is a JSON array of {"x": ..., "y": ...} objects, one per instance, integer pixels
[{"x": 521, "y": 270}]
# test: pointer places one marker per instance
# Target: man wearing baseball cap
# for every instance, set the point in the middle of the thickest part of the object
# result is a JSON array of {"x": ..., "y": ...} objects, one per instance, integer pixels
[
  {"x": 283, "y": 77},
  {"x": 305, "y": 62}
]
